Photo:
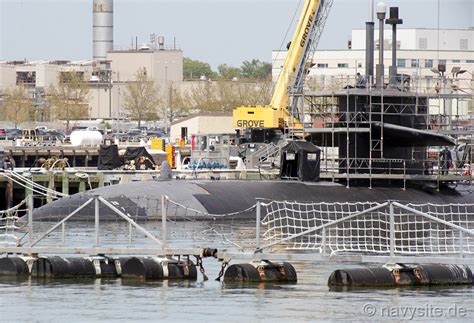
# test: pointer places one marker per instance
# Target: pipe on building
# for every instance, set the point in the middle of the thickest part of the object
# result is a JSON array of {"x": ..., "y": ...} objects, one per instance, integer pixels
[{"x": 394, "y": 21}]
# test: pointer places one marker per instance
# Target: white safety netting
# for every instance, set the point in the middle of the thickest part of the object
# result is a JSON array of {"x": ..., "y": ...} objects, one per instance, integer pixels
[
  {"x": 327, "y": 228},
  {"x": 9, "y": 227},
  {"x": 411, "y": 229}
]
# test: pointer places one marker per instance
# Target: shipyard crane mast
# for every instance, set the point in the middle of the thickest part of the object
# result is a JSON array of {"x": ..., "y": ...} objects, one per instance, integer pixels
[{"x": 283, "y": 112}]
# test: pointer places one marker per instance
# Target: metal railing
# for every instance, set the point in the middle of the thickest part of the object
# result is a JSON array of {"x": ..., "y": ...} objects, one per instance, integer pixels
[
  {"x": 34, "y": 240},
  {"x": 265, "y": 230}
]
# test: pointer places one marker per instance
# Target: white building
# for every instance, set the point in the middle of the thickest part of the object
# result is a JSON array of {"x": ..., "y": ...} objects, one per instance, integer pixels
[
  {"x": 201, "y": 124},
  {"x": 418, "y": 53}
]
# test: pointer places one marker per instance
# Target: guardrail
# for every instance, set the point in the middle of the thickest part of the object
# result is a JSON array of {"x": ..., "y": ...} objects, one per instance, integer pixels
[{"x": 266, "y": 230}]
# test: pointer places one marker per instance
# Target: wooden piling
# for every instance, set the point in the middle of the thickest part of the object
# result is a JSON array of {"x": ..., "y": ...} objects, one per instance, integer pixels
[
  {"x": 49, "y": 197},
  {"x": 65, "y": 183},
  {"x": 9, "y": 193}
]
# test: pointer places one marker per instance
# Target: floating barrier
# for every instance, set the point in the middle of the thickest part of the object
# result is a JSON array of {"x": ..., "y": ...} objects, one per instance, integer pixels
[
  {"x": 147, "y": 268},
  {"x": 261, "y": 272},
  {"x": 58, "y": 267},
  {"x": 402, "y": 275},
  {"x": 13, "y": 266},
  {"x": 156, "y": 268}
]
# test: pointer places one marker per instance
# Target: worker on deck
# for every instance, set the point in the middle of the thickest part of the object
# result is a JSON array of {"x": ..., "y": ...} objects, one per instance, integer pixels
[
  {"x": 361, "y": 82},
  {"x": 446, "y": 159},
  {"x": 8, "y": 163}
]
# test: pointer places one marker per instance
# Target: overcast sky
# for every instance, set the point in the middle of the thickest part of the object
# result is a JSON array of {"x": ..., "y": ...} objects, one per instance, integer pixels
[{"x": 216, "y": 31}]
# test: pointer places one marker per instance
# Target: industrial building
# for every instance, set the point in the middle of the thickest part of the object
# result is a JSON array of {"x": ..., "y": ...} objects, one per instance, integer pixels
[
  {"x": 201, "y": 124},
  {"x": 417, "y": 49}
]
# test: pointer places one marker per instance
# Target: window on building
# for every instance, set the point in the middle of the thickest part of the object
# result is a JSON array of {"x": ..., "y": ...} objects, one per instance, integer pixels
[
  {"x": 342, "y": 65},
  {"x": 423, "y": 43},
  {"x": 414, "y": 63},
  {"x": 428, "y": 63},
  {"x": 456, "y": 61},
  {"x": 322, "y": 65},
  {"x": 463, "y": 44},
  {"x": 469, "y": 61},
  {"x": 401, "y": 62},
  {"x": 26, "y": 78},
  {"x": 442, "y": 62}
]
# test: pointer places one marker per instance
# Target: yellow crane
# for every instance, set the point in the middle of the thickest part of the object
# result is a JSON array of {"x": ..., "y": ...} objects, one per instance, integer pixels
[{"x": 282, "y": 112}]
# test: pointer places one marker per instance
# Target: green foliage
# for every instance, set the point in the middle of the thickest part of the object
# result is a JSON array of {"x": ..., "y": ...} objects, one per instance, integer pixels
[
  {"x": 250, "y": 70},
  {"x": 227, "y": 72},
  {"x": 257, "y": 70},
  {"x": 224, "y": 96},
  {"x": 194, "y": 69}
]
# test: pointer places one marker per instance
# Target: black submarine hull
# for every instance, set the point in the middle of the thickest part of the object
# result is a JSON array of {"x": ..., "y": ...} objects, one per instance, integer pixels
[{"x": 143, "y": 199}]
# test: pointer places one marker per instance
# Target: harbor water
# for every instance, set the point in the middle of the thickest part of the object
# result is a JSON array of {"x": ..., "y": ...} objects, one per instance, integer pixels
[{"x": 120, "y": 300}]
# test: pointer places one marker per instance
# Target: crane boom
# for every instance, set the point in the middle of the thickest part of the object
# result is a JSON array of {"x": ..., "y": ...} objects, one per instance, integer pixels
[{"x": 281, "y": 112}]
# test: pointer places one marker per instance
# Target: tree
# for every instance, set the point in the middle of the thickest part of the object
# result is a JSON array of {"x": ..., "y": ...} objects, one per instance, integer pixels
[
  {"x": 257, "y": 70},
  {"x": 202, "y": 97},
  {"x": 176, "y": 103},
  {"x": 224, "y": 96},
  {"x": 18, "y": 105},
  {"x": 142, "y": 99},
  {"x": 69, "y": 99},
  {"x": 229, "y": 72},
  {"x": 194, "y": 69}
]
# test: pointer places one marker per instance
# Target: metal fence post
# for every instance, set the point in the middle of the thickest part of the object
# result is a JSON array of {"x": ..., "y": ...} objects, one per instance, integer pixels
[
  {"x": 96, "y": 213},
  {"x": 30, "y": 218},
  {"x": 164, "y": 206},
  {"x": 404, "y": 175},
  {"x": 392, "y": 229},
  {"x": 324, "y": 241},
  {"x": 63, "y": 233},
  {"x": 257, "y": 224}
]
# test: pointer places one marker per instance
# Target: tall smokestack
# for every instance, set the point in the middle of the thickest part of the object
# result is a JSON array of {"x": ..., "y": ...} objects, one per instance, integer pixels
[
  {"x": 369, "y": 43},
  {"x": 103, "y": 28}
]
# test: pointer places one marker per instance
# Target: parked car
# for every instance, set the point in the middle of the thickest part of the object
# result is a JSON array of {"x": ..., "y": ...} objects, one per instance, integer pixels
[{"x": 12, "y": 134}]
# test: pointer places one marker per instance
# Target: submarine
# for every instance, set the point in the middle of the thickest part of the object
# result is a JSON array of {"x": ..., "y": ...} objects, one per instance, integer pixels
[{"x": 143, "y": 199}]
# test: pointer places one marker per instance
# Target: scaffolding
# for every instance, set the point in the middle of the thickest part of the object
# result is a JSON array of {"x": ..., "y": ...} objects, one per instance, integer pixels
[{"x": 354, "y": 127}]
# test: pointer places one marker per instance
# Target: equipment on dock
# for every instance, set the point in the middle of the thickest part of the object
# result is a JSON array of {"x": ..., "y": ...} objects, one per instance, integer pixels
[
  {"x": 300, "y": 160},
  {"x": 402, "y": 275},
  {"x": 86, "y": 138}
]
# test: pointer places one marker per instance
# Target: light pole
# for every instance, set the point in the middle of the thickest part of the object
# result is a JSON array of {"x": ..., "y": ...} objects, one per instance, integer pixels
[
  {"x": 166, "y": 100},
  {"x": 381, "y": 12}
]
